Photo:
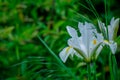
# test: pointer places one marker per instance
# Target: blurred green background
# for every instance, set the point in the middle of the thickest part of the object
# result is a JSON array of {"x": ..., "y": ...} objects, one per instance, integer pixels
[{"x": 24, "y": 57}]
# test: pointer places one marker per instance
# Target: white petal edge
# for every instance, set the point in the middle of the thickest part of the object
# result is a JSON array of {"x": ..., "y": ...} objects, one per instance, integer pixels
[
  {"x": 78, "y": 44},
  {"x": 114, "y": 22},
  {"x": 72, "y": 32},
  {"x": 113, "y": 28},
  {"x": 64, "y": 54},
  {"x": 98, "y": 51},
  {"x": 113, "y": 47}
]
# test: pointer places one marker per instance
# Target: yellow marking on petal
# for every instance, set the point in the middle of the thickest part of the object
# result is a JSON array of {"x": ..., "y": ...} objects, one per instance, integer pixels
[
  {"x": 94, "y": 41},
  {"x": 106, "y": 41},
  {"x": 68, "y": 48}
]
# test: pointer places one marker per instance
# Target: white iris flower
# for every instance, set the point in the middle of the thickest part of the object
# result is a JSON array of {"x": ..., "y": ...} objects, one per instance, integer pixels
[
  {"x": 86, "y": 47},
  {"x": 110, "y": 33}
]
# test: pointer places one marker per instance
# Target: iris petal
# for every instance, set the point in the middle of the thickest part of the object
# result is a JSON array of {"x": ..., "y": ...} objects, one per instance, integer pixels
[
  {"x": 64, "y": 54},
  {"x": 98, "y": 51},
  {"x": 72, "y": 32},
  {"x": 84, "y": 46},
  {"x": 115, "y": 26},
  {"x": 113, "y": 47}
]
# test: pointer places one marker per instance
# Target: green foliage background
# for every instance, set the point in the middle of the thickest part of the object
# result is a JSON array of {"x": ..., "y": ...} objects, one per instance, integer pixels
[{"x": 24, "y": 57}]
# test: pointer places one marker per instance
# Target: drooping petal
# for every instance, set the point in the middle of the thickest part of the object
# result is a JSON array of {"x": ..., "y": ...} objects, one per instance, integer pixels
[
  {"x": 78, "y": 46},
  {"x": 82, "y": 54},
  {"x": 64, "y": 54},
  {"x": 74, "y": 42},
  {"x": 95, "y": 43},
  {"x": 97, "y": 46},
  {"x": 100, "y": 37},
  {"x": 72, "y": 32},
  {"x": 93, "y": 51},
  {"x": 113, "y": 47},
  {"x": 98, "y": 51},
  {"x": 78, "y": 55}
]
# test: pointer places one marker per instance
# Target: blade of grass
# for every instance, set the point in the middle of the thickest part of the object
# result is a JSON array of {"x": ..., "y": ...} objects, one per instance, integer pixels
[
  {"x": 89, "y": 9},
  {"x": 58, "y": 60},
  {"x": 107, "y": 10},
  {"x": 17, "y": 39},
  {"x": 17, "y": 52},
  {"x": 107, "y": 7},
  {"x": 80, "y": 16},
  {"x": 92, "y": 8},
  {"x": 105, "y": 4}
]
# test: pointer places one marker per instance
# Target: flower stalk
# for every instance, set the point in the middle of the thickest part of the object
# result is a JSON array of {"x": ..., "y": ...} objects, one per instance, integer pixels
[
  {"x": 113, "y": 67},
  {"x": 94, "y": 73},
  {"x": 89, "y": 71}
]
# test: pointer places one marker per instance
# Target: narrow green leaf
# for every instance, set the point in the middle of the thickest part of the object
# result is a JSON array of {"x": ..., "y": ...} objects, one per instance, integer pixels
[{"x": 58, "y": 60}]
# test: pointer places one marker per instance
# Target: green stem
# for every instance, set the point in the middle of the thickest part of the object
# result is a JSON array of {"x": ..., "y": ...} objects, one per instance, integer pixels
[
  {"x": 103, "y": 72},
  {"x": 113, "y": 67},
  {"x": 110, "y": 66},
  {"x": 89, "y": 71},
  {"x": 94, "y": 67}
]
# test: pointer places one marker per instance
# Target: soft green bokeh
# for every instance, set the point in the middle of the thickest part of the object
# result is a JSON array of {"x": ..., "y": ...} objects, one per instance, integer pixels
[{"x": 24, "y": 57}]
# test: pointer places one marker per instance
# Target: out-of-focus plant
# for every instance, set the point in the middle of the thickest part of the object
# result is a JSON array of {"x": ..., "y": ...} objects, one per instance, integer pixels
[{"x": 110, "y": 34}]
